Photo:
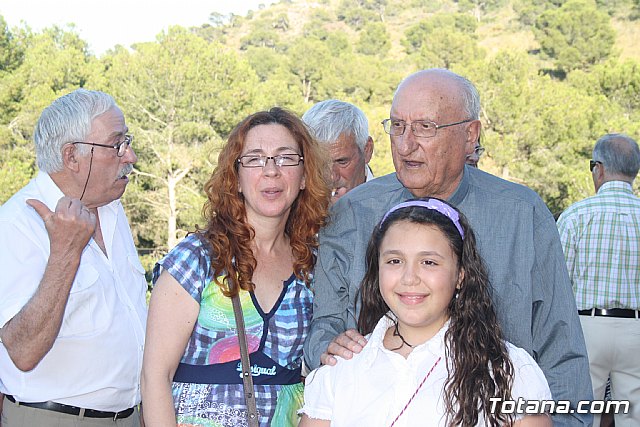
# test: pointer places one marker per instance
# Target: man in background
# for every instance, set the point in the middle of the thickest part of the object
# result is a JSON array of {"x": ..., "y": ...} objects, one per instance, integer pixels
[
  {"x": 345, "y": 128},
  {"x": 601, "y": 240},
  {"x": 73, "y": 307}
]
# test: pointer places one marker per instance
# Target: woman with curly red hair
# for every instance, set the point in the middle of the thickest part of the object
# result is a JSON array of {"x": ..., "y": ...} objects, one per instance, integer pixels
[{"x": 267, "y": 199}]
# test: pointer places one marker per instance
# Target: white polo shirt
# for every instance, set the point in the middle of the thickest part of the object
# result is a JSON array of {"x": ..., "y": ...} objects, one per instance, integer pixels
[
  {"x": 96, "y": 359},
  {"x": 373, "y": 387}
]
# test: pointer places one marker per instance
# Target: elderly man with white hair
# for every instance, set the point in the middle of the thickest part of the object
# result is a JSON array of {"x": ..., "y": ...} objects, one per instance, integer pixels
[
  {"x": 345, "y": 128},
  {"x": 73, "y": 306}
]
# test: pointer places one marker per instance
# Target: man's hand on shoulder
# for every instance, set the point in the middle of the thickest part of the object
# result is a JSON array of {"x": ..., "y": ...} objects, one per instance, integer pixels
[{"x": 344, "y": 345}]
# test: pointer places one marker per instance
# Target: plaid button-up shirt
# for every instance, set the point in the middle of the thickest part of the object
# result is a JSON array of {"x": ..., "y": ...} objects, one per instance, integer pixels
[{"x": 601, "y": 240}]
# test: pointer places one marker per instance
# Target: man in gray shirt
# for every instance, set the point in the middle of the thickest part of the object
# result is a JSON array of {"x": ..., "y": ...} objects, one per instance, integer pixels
[{"x": 433, "y": 126}]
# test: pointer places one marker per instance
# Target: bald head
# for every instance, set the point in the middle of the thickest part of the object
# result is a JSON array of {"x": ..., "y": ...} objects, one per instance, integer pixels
[
  {"x": 433, "y": 165},
  {"x": 453, "y": 89}
]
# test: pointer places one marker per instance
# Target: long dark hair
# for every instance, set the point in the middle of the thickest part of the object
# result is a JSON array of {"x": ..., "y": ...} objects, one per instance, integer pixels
[{"x": 477, "y": 358}]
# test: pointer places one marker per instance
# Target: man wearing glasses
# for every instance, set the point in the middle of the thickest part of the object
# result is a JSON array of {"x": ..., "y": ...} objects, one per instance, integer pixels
[
  {"x": 433, "y": 126},
  {"x": 73, "y": 308},
  {"x": 601, "y": 240}
]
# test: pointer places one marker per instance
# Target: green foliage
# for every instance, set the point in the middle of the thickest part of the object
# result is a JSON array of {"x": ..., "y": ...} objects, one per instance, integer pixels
[
  {"x": 635, "y": 14},
  {"x": 16, "y": 168},
  {"x": 480, "y": 8},
  {"x": 219, "y": 26},
  {"x": 308, "y": 59},
  {"x": 575, "y": 36},
  {"x": 54, "y": 62},
  {"x": 565, "y": 135},
  {"x": 428, "y": 6},
  {"x": 620, "y": 83},
  {"x": 49, "y": 65},
  {"x": 265, "y": 32},
  {"x": 335, "y": 40},
  {"x": 443, "y": 40},
  {"x": 11, "y": 52},
  {"x": 316, "y": 29},
  {"x": 184, "y": 92},
  {"x": 357, "y": 13},
  {"x": 266, "y": 62},
  {"x": 540, "y": 131},
  {"x": 281, "y": 22},
  {"x": 380, "y": 163},
  {"x": 338, "y": 43},
  {"x": 530, "y": 10},
  {"x": 179, "y": 95},
  {"x": 364, "y": 80},
  {"x": 418, "y": 35},
  {"x": 374, "y": 40},
  {"x": 319, "y": 16},
  {"x": 612, "y": 6},
  {"x": 260, "y": 38},
  {"x": 447, "y": 48}
]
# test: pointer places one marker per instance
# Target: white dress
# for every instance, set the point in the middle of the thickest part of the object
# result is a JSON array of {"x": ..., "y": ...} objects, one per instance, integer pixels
[{"x": 374, "y": 386}]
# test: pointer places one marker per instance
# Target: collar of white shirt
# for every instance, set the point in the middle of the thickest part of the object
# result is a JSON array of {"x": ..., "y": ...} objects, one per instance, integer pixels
[
  {"x": 375, "y": 341},
  {"x": 51, "y": 193}
]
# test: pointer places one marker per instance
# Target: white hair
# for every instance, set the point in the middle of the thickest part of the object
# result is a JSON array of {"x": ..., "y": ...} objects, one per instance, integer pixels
[
  {"x": 330, "y": 119},
  {"x": 67, "y": 119}
]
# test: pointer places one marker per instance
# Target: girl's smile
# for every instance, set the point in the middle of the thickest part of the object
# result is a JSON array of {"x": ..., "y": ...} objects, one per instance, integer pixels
[{"x": 419, "y": 275}]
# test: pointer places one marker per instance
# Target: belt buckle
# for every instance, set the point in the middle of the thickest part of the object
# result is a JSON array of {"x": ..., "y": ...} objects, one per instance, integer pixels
[{"x": 115, "y": 416}]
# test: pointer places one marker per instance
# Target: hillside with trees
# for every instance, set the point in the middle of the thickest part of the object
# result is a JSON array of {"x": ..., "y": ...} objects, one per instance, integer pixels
[{"x": 553, "y": 76}]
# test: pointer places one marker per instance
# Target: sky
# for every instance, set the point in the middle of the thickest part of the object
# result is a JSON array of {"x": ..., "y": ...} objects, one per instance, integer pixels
[{"x": 106, "y": 23}]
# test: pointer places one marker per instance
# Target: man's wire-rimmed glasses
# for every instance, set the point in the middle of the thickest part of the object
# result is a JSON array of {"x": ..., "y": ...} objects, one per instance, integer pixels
[
  {"x": 420, "y": 128},
  {"x": 259, "y": 161},
  {"x": 593, "y": 163},
  {"x": 120, "y": 147}
]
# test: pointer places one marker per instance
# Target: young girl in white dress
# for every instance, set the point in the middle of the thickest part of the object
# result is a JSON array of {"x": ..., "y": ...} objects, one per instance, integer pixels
[{"x": 435, "y": 354}]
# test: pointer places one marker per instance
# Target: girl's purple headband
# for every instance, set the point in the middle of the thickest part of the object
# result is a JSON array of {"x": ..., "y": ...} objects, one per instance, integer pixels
[{"x": 433, "y": 204}]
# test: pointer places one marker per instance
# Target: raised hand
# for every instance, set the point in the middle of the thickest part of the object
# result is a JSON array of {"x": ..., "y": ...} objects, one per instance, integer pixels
[
  {"x": 70, "y": 227},
  {"x": 30, "y": 334}
]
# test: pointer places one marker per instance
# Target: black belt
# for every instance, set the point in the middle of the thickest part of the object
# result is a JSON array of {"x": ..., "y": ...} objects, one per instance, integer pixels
[
  {"x": 74, "y": 410},
  {"x": 624, "y": 313}
]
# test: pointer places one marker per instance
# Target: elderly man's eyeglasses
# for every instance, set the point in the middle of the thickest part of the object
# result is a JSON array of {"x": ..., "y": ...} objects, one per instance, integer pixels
[
  {"x": 258, "y": 161},
  {"x": 593, "y": 163},
  {"x": 479, "y": 151},
  {"x": 420, "y": 128},
  {"x": 120, "y": 147}
]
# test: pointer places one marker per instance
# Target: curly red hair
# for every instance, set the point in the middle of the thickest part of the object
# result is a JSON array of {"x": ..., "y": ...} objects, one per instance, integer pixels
[{"x": 228, "y": 232}]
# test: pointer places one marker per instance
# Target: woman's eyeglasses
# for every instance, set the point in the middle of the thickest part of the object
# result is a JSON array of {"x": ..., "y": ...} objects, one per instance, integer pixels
[{"x": 259, "y": 161}]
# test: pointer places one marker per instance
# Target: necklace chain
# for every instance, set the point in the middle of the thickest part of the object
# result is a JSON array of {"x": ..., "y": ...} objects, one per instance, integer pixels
[
  {"x": 396, "y": 333},
  {"x": 417, "y": 389}
]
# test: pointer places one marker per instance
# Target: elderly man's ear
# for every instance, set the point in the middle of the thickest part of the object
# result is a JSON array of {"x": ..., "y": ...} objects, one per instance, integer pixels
[
  {"x": 368, "y": 150},
  {"x": 70, "y": 157},
  {"x": 473, "y": 133}
]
